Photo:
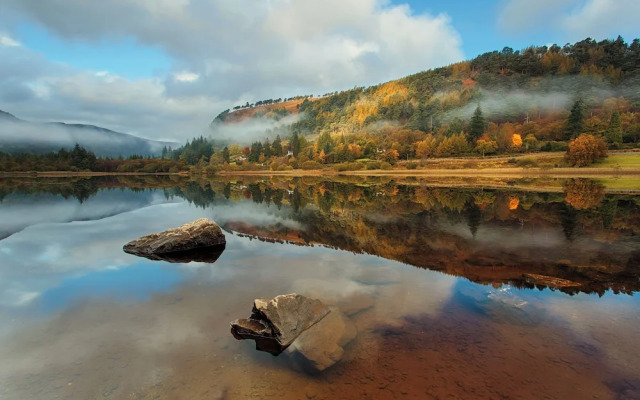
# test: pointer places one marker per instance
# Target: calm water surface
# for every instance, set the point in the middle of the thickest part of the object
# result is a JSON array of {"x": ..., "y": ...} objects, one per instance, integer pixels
[{"x": 456, "y": 292}]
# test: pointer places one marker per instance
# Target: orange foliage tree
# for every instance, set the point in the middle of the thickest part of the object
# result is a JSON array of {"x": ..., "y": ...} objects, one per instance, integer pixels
[
  {"x": 583, "y": 194},
  {"x": 585, "y": 150}
]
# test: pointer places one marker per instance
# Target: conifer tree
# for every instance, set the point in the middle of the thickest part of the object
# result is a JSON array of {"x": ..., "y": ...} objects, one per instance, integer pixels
[
  {"x": 476, "y": 128},
  {"x": 614, "y": 131},
  {"x": 576, "y": 120}
]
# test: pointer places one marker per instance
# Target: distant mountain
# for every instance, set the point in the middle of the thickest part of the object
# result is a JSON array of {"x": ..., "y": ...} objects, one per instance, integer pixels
[{"x": 17, "y": 135}]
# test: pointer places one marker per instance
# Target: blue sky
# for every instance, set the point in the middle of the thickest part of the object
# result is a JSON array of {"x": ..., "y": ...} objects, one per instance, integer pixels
[{"x": 164, "y": 68}]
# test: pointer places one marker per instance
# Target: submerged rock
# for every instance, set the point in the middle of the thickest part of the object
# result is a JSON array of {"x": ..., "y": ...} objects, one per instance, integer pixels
[
  {"x": 200, "y": 240},
  {"x": 322, "y": 345},
  {"x": 312, "y": 334},
  {"x": 275, "y": 324}
]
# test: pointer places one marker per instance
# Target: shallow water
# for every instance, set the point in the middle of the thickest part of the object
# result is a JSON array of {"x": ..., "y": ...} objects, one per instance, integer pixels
[{"x": 442, "y": 283}]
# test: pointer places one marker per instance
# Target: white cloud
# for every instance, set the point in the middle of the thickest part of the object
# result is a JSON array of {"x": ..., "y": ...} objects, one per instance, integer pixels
[
  {"x": 185, "y": 76},
  {"x": 226, "y": 52},
  {"x": 524, "y": 15},
  {"x": 8, "y": 41},
  {"x": 574, "y": 19},
  {"x": 605, "y": 18}
]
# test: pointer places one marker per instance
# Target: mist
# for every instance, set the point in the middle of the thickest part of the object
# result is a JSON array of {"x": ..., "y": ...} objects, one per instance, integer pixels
[
  {"x": 22, "y": 136},
  {"x": 548, "y": 95},
  {"x": 253, "y": 129},
  {"x": 511, "y": 105}
]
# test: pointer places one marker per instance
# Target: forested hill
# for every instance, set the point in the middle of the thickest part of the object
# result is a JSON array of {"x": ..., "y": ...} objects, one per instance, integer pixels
[
  {"x": 514, "y": 86},
  {"x": 535, "y": 87}
]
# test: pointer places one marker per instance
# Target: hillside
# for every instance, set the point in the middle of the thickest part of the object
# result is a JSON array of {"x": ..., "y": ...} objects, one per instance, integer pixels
[
  {"x": 523, "y": 101},
  {"x": 267, "y": 111},
  {"x": 20, "y": 136}
]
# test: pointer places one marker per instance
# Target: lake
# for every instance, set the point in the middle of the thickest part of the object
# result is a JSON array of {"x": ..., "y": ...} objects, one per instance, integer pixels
[{"x": 458, "y": 288}]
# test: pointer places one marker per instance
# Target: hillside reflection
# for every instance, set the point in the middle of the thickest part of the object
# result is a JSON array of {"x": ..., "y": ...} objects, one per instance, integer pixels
[
  {"x": 572, "y": 236},
  {"x": 577, "y": 239}
]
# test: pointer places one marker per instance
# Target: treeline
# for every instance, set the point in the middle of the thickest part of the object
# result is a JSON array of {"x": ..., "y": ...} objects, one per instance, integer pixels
[{"x": 79, "y": 159}]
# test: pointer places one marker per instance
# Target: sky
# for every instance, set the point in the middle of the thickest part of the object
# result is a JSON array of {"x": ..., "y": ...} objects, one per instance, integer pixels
[{"x": 163, "y": 69}]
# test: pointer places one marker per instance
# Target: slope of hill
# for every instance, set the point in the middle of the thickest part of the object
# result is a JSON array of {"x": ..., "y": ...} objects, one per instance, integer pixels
[
  {"x": 521, "y": 94},
  {"x": 18, "y": 136}
]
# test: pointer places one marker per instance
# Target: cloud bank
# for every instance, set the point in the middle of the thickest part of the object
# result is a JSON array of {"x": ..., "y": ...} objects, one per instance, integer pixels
[
  {"x": 574, "y": 19},
  {"x": 223, "y": 53}
]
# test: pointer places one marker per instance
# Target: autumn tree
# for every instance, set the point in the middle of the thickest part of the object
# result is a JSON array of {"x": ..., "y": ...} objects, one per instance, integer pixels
[
  {"x": 583, "y": 194},
  {"x": 585, "y": 150},
  {"x": 530, "y": 142},
  {"x": 486, "y": 146},
  {"x": 427, "y": 147},
  {"x": 516, "y": 142}
]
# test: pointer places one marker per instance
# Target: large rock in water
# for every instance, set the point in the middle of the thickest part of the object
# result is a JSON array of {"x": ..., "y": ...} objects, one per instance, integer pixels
[
  {"x": 200, "y": 240},
  {"x": 313, "y": 334},
  {"x": 274, "y": 324},
  {"x": 322, "y": 345}
]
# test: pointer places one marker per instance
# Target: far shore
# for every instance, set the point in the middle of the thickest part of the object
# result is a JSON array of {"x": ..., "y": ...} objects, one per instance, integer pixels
[
  {"x": 70, "y": 174},
  {"x": 485, "y": 172},
  {"x": 513, "y": 172}
]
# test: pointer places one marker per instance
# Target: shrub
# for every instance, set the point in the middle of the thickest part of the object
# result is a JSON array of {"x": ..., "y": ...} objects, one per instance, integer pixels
[
  {"x": 385, "y": 165},
  {"x": 527, "y": 163},
  {"x": 352, "y": 166},
  {"x": 412, "y": 165},
  {"x": 373, "y": 165},
  {"x": 308, "y": 165}
]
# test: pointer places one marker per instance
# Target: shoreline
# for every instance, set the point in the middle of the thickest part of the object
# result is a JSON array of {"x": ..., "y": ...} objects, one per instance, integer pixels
[
  {"x": 70, "y": 174},
  {"x": 485, "y": 172}
]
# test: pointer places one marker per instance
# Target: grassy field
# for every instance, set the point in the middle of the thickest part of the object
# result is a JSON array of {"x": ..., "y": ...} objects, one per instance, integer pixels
[
  {"x": 624, "y": 160},
  {"x": 621, "y": 183}
]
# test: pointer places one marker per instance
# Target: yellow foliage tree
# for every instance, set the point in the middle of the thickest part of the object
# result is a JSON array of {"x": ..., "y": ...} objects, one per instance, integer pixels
[{"x": 516, "y": 141}]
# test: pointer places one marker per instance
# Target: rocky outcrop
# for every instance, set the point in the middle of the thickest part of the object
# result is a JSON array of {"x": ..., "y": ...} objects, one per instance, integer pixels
[
  {"x": 200, "y": 240},
  {"x": 312, "y": 334},
  {"x": 275, "y": 324}
]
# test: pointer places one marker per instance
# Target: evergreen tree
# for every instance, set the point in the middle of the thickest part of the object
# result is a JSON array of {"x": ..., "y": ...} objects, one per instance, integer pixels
[
  {"x": 576, "y": 120},
  {"x": 266, "y": 148},
  {"x": 295, "y": 144},
  {"x": 614, "y": 131},
  {"x": 276, "y": 147},
  {"x": 476, "y": 129},
  {"x": 225, "y": 155}
]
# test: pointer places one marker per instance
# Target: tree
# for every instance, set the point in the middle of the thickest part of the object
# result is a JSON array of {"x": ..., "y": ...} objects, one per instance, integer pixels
[
  {"x": 585, "y": 150},
  {"x": 530, "y": 142},
  {"x": 225, "y": 155},
  {"x": 614, "y": 131},
  {"x": 276, "y": 147},
  {"x": 516, "y": 141},
  {"x": 484, "y": 146},
  {"x": 476, "y": 128},
  {"x": 583, "y": 194},
  {"x": 294, "y": 144},
  {"x": 576, "y": 120}
]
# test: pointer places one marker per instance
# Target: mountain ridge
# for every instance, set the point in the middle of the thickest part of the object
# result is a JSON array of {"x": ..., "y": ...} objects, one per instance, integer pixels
[{"x": 20, "y": 136}]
